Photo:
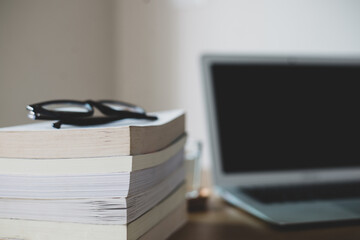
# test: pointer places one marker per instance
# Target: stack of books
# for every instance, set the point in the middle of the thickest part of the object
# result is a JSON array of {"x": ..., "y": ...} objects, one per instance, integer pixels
[{"x": 123, "y": 180}]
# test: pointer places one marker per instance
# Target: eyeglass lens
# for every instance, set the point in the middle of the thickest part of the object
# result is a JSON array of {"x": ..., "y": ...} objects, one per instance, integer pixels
[
  {"x": 121, "y": 106},
  {"x": 66, "y": 107}
]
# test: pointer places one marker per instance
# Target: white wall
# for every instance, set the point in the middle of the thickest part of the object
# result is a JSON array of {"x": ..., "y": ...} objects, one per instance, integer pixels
[
  {"x": 53, "y": 49},
  {"x": 147, "y": 51},
  {"x": 161, "y": 41}
]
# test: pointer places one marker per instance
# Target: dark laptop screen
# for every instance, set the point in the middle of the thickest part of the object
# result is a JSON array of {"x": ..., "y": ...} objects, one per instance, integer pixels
[{"x": 284, "y": 117}]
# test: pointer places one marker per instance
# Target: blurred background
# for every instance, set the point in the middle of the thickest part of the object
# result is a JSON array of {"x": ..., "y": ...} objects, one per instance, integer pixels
[{"x": 147, "y": 52}]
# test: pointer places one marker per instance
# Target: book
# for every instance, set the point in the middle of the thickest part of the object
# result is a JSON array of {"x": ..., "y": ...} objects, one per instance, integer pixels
[
  {"x": 119, "y": 184},
  {"x": 89, "y": 165},
  {"x": 96, "y": 210},
  {"x": 123, "y": 137},
  {"x": 122, "y": 180},
  {"x": 172, "y": 207}
]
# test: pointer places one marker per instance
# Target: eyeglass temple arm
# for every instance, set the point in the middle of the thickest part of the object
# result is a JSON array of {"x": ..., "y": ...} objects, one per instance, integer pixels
[
  {"x": 96, "y": 120},
  {"x": 111, "y": 112}
]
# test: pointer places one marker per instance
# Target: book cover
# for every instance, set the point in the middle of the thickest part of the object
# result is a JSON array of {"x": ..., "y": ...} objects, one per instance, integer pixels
[{"x": 123, "y": 137}]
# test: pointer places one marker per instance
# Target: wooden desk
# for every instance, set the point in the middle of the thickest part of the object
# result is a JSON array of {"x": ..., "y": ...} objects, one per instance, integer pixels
[{"x": 224, "y": 222}]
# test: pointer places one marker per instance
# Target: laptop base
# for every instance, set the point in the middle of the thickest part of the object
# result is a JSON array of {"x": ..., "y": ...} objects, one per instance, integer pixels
[{"x": 295, "y": 214}]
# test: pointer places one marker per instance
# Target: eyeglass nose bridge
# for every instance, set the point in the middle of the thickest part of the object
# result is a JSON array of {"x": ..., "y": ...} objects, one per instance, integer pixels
[
  {"x": 101, "y": 107},
  {"x": 109, "y": 111}
]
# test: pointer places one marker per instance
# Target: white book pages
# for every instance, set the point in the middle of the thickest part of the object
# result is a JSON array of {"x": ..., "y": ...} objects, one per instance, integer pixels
[
  {"x": 119, "y": 184},
  {"x": 92, "y": 210}
]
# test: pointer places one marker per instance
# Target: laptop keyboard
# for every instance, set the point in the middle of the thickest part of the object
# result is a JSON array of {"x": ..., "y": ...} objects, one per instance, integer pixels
[{"x": 297, "y": 193}]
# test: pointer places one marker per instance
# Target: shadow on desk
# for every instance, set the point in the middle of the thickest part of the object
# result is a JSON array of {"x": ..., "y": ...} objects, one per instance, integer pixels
[{"x": 223, "y": 221}]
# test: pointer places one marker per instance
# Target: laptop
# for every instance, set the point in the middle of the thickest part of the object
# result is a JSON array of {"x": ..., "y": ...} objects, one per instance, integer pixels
[{"x": 285, "y": 136}]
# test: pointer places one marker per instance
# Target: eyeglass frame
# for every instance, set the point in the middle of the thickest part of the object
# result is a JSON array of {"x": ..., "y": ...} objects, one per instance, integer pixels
[{"x": 38, "y": 112}]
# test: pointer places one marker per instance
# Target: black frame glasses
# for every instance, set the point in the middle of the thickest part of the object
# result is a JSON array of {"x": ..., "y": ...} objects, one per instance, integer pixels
[{"x": 111, "y": 109}]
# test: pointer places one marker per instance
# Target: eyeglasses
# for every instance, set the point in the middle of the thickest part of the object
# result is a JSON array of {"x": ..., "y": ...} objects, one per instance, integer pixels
[{"x": 80, "y": 113}]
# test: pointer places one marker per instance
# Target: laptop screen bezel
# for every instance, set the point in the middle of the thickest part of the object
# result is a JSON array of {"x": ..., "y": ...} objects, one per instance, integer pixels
[{"x": 222, "y": 178}]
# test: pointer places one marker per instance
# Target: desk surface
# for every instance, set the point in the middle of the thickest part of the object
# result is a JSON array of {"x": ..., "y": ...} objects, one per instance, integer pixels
[{"x": 223, "y": 221}]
